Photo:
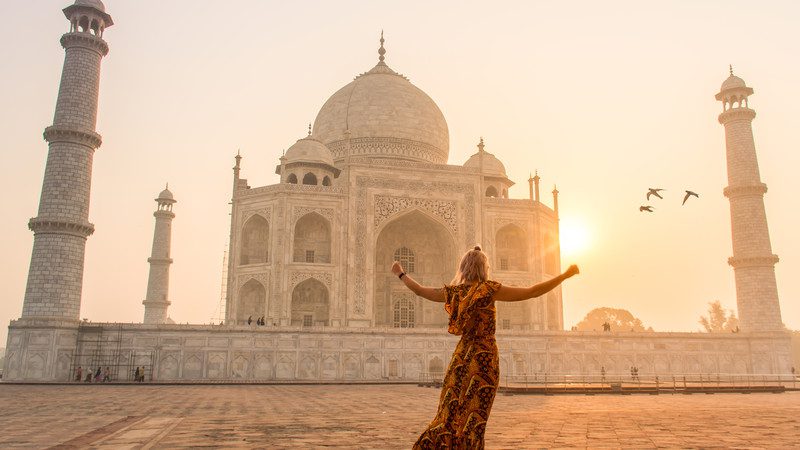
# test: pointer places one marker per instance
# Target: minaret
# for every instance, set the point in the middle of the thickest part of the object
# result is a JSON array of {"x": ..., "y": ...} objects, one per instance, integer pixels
[
  {"x": 156, "y": 303},
  {"x": 55, "y": 277},
  {"x": 555, "y": 200},
  {"x": 753, "y": 261}
]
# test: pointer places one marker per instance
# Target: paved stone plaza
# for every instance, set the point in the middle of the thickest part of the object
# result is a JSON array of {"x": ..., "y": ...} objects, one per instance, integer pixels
[{"x": 378, "y": 416}]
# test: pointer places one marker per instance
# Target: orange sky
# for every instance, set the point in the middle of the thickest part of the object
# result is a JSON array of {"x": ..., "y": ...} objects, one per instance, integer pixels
[{"x": 605, "y": 99}]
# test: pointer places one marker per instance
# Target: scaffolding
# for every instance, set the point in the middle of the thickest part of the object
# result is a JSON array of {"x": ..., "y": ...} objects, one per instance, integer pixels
[
  {"x": 99, "y": 347},
  {"x": 219, "y": 314}
]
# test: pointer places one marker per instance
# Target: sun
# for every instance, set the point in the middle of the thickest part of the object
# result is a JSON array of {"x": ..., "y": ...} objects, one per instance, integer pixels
[{"x": 574, "y": 236}]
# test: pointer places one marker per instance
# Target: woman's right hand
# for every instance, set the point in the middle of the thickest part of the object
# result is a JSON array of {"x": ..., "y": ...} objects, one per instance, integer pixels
[{"x": 397, "y": 269}]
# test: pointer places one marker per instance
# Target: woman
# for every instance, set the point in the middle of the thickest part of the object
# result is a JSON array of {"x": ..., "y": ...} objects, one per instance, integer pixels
[{"x": 472, "y": 378}]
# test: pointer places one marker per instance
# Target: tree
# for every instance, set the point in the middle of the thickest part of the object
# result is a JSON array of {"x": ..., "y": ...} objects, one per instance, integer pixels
[
  {"x": 620, "y": 320},
  {"x": 718, "y": 319}
]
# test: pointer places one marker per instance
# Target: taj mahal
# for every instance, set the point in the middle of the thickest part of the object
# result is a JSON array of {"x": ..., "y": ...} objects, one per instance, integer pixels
[{"x": 309, "y": 296}]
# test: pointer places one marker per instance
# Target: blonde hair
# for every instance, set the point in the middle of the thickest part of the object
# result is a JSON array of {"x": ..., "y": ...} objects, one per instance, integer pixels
[{"x": 474, "y": 266}]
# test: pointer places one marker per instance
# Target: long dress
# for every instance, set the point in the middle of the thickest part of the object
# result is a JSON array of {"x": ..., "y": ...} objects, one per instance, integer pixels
[{"x": 472, "y": 378}]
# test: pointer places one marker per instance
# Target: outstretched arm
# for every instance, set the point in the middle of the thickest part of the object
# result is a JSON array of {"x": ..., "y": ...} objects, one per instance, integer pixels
[
  {"x": 430, "y": 293},
  {"x": 515, "y": 294}
]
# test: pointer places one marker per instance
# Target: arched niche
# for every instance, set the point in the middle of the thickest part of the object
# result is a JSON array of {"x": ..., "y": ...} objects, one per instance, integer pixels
[
  {"x": 310, "y": 304},
  {"x": 326, "y": 181},
  {"x": 291, "y": 179},
  {"x": 310, "y": 178},
  {"x": 433, "y": 249},
  {"x": 491, "y": 191},
  {"x": 512, "y": 248},
  {"x": 252, "y": 302},
  {"x": 255, "y": 241},
  {"x": 312, "y": 240}
]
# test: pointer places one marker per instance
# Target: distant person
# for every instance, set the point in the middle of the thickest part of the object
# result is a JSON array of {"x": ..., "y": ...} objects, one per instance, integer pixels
[
  {"x": 250, "y": 320},
  {"x": 98, "y": 374},
  {"x": 88, "y": 375},
  {"x": 79, "y": 374},
  {"x": 602, "y": 373},
  {"x": 136, "y": 375},
  {"x": 792, "y": 370},
  {"x": 474, "y": 372}
]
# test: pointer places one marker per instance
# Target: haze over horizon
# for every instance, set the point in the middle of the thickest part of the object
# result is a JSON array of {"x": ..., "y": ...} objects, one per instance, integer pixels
[{"x": 604, "y": 101}]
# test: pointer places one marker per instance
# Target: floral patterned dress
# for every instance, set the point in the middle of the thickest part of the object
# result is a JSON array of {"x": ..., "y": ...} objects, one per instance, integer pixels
[{"x": 472, "y": 378}]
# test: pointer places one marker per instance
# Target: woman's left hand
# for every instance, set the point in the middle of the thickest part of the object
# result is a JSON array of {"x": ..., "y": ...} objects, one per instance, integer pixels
[{"x": 572, "y": 271}]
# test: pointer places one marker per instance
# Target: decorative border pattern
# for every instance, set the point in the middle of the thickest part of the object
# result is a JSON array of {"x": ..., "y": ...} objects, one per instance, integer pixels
[
  {"x": 387, "y": 206},
  {"x": 266, "y": 213},
  {"x": 296, "y": 278},
  {"x": 262, "y": 278},
  {"x": 363, "y": 183},
  {"x": 751, "y": 190},
  {"x": 388, "y": 146},
  {"x": 61, "y": 133},
  {"x": 300, "y": 211}
]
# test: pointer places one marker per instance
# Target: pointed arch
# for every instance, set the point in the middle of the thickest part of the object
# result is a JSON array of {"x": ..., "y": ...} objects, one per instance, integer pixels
[
  {"x": 310, "y": 304},
  {"x": 435, "y": 257},
  {"x": 254, "y": 248},
  {"x": 512, "y": 248},
  {"x": 491, "y": 191},
  {"x": 312, "y": 239},
  {"x": 252, "y": 301},
  {"x": 310, "y": 178},
  {"x": 291, "y": 179}
]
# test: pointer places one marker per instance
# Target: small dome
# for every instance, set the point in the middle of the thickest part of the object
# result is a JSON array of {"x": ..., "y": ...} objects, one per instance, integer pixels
[
  {"x": 166, "y": 194},
  {"x": 491, "y": 165},
  {"x": 309, "y": 150},
  {"x": 97, "y": 4},
  {"x": 732, "y": 82}
]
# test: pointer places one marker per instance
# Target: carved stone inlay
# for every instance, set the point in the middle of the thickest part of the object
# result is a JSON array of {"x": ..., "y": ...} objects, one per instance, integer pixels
[
  {"x": 363, "y": 184},
  {"x": 387, "y": 206},
  {"x": 297, "y": 277},
  {"x": 266, "y": 213},
  {"x": 503, "y": 221},
  {"x": 300, "y": 211},
  {"x": 387, "y": 147},
  {"x": 262, "y": 278}
]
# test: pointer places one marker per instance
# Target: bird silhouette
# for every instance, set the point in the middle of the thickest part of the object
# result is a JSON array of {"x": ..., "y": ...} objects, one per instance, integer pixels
[
  {"x": 646, "y": 208},
  {"x": 689, "y": 194},
  {"x": 652, "y": 191}
]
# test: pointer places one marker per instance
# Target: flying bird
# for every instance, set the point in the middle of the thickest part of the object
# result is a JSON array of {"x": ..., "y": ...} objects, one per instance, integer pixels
[
  {"x": 689, "y": 194},
  {"x": 646, "y": 208},
  {"x": 652, "y": 191}
]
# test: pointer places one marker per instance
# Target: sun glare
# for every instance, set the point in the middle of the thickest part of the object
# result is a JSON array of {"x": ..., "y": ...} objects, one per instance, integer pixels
[{"x": 575, "y": 237}]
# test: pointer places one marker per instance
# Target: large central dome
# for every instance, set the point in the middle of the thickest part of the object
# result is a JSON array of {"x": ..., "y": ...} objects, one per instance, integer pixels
[{"x": 381, "y": 114}]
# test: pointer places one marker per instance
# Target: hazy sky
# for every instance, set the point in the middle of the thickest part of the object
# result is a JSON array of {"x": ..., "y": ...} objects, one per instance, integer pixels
[{"x": 604, "y": 98}]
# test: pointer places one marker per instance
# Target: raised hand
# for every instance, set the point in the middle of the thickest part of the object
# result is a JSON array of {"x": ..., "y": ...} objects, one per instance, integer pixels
[
  {"x": 397, "y": 269},
  {"x": 572, "y": 271}
]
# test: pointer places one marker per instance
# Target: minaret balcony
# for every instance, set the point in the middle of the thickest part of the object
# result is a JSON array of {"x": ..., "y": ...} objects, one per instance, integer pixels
[
  {"x": 735, "y": 114},
  {"x": 85, "y": 40}
]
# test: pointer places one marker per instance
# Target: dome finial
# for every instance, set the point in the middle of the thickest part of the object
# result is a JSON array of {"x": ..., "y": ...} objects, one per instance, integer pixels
[
  {"x": 730, "y": 69},
  {"x": 480, "y": 145},
  {"x": 309, "y": 128},
  {"x": 381, "y": 51}
]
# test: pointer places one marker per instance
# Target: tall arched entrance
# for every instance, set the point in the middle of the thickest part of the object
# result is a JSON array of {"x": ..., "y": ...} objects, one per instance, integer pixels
[
  {"x": 427, "y": 251},
  {"x": 252, "y": 302},
  {"x": 310, "y": 304}
]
